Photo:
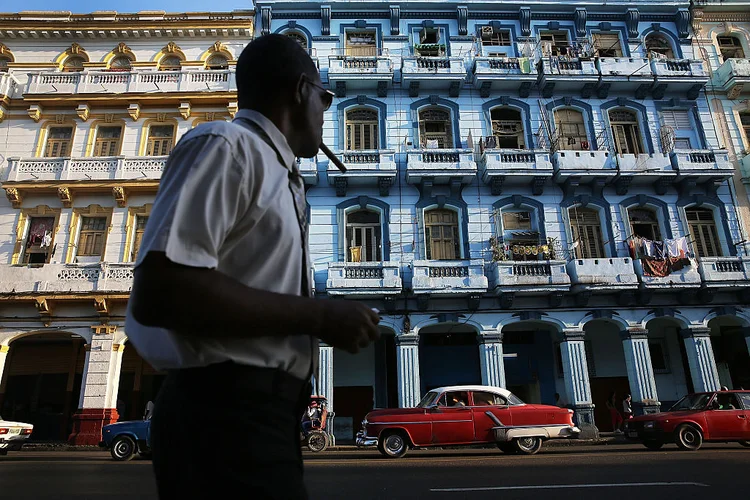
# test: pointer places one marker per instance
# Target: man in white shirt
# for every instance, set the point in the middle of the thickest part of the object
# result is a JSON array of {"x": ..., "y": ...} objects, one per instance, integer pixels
[{"x": 222, "y": 295}]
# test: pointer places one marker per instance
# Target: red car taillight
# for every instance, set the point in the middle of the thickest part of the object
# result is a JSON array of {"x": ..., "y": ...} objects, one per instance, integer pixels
[
  {"x": 4, "y": 430},
  {"x": 26, "y": 432}
]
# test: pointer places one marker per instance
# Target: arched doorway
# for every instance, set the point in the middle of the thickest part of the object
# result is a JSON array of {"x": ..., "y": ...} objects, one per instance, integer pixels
[
  {"x": 448, "y": 355},
  {"x": 41, "y": 383},
  {"x": 607, "y": 369},
  {"x": 529, "y": 358},
  {"x": 730, "y": 352},
  {"x": 669, "y": 360},
  {"x": 363, "y": 381},
  {"x": 139, "y": 383}
]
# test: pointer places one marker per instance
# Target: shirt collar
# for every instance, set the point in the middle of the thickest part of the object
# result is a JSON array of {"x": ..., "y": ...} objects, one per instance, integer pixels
[{"x": 278, "y": 140}]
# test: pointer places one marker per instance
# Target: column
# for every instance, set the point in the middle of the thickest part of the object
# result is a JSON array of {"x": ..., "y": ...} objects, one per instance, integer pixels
[
  {"x": 491, "y": 359},
  {"x": 640, "y": 371},
  {"x": 98, "y": 398},
  {"x": 700, "y": 356},
  {"x": 3, "y": 357},
  {"x": 324, "y": 383},
  {"x": 407, "y": 363},
  {"x": 745, "y": 331},
  {"x": 576, "y": 376}
]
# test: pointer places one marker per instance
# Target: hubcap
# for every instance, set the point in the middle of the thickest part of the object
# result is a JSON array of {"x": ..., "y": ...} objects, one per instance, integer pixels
[
  {"x": 122, "y": 448},
  {"x": 689, "y": 437},
  {"x": 527, "y": 443},
  {"x": 395, "y": 443}
]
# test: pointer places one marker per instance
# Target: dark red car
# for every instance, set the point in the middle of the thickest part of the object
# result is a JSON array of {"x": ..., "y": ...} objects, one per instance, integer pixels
[
  {"x": 466, "y": 415},
  {"x": 722, "y": 416}
]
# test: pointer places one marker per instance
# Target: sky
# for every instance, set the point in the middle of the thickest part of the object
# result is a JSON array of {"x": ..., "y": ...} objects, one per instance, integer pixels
[{"x": 86, "y": 6}]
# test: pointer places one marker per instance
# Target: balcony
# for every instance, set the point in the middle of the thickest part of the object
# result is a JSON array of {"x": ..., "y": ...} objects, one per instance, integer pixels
[
  {"x": 453, "y": 278},
  {"x": 558, "y": 74},
  {"x": 364, "y": 279},
  {"x": 503, "y": 73},
  {"x": 644, "y": 169},
  {"x": 360, "y": 72},
  {"x": 529, "y": 278},
  {"x": 86, "y": 169},
  {"x": 364, "y": 168},
  {"x": 433, "y": 73},
  {"x": 585, "y": 166},
  {"x": 678, "y": 75},
  {"x": 442, "y": 166},
  {"x": 515, "y": 167},
  {"x": 732, "y": 77},
  {"x": 725, "y": 272},
  {"x": 125, "y": 82},
  {"x": 605, "y": 274},
  {"x": 308, "y": 169},
  {"x": 702, "y": 165},
  {"x": 621, "y": 74},
  {"x": 66, "y": 278},
  {"x": 688, "y": 276},
  {"x": 8, "y": 87}
]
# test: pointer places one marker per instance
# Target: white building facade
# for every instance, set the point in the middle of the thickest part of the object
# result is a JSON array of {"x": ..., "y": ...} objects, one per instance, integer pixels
[{"x": 517, "y": 175}]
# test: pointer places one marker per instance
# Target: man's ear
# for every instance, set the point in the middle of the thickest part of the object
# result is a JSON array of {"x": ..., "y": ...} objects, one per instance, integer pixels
[{"x": 300, "y": 90}]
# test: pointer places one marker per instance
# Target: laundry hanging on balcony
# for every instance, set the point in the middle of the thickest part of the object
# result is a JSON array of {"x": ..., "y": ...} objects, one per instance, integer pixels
[{"x": 660, "y": 258}]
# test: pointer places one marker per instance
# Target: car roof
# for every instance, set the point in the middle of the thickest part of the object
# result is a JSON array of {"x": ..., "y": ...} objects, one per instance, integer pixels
[{"x": 483, "y": 388}]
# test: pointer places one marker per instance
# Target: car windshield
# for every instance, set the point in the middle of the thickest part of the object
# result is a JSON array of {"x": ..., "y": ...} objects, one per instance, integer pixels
[
  {"x": 514, "y": 400},
  {"x": 691, "y": 402},
  {"x": 429, "y": 399}
]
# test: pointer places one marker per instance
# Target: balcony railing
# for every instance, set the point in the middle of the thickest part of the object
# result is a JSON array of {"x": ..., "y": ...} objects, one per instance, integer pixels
[
  {"x": 702, "y": 163},
  {"x": 529, "y": 277},
  {"x": 679, "y": 68},
  {"x": 8, "y": 85},
  {"x": 727, "y": 272},
  {"x": 646, "y": 165},
  {"x": 364, "y": 279},
  {"x": 552, "y": 66},
  {"x": 603, "y": 274},
  {"x": 416, "y": 66},
  {"x": 66, "y": 278},
  {"x": 583, "y": 163},
  {"x": 89, "y": 168},
  {"x": 364, "y": 65},
  {"x": 308, "y": 169},
  {"x": 442, "y": 163},
  {"x": 515, "y": 162},
  {"x": 732, "y": 77},
  {"x": 362, "y": 162},
  {"x": 627, "y": 67},
  {"x": 458, "y": 277},
  {"x": 688, "y": 276}
]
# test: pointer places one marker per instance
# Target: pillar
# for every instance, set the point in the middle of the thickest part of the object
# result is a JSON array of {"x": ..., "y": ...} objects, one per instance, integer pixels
[
  {"x": 4, "y": 349},
  {"x": 640, "y": 371},
  {"x": 97, "y": 404},
  {"x": 745, "y": 332},
  {"x": 324, "y": 382},
  {"x": 700, "y": 356},
  {"x": 491, "y": 359},
  {"x": 407, "y": 363},
  {"x": 576, "y": 376}
]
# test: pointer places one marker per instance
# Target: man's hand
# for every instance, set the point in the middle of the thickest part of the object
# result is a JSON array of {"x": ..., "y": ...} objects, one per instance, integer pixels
[{"x": 350, "y": 326}]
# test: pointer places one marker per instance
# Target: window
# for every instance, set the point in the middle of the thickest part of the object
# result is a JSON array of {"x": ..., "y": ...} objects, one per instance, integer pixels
[
  {"x": 140, "y": 227},
  {"x": 435, "y": 128},
  {"x": 73, "y": 64},
  {"x": 519, "y": 235},
  {"x": 745, "y": 119},
  {"x": 441, "y": 235},
  {"x": 217, "y": 62},
  {"x": 361, "y": 129},
  {"x": 554, "y": 43},
  {"x": 519, "y": 221},
  {"x": 587, "y": 233},
  {"x": 488, "y": 399},
  {"x": 728, "y": 401},
  {"x": 607, "y": 44},
  {"x": 571, "y": 131},
  {"x": 429, "y": 43},
  {"x": 107, "y": 141},
  {"x": 507, "y": 129},
  {"x": 745, "y": 397},
  {"x": 120, "y": 63},
  {"x": 93, "y": 234},
  {"x": 170, "y": 63},
  {"x": 626, "y": 132},
  {"x": 677, "y": 130},
  {"x": 703, "y": 232},
  {"x": 4, "y": 62},
  {"x": 58, "y": 142},
  {"x": 363, "y": 236},
  {"x": 644, "y": 223},
  {"x": 730, "y": 47},
  {"x": 492, "y": 39},
  {"x": 659, "y": 359},
  {"x": 361, "y": 43},
  {"x": 457, "y": 398},
  {"x": 39, "y": 241},
  {"x": 160, "y": 139},
  {"x": 298, "y": 37},
  {"x": 659, "y": 47}
]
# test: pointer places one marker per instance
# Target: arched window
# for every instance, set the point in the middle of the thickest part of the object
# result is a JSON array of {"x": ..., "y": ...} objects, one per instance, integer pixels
[
  {"x": 507, "y": 129},
  {"x": 362, "y": 129},
  {"x": 73, "y": 64},
  {"x": 217, "y": 62},
  {"x": 730, "y": 47},
  {"x": 170, "y": 63},
  {"x": 626, "y": 132},
  {"x": 745, "y": 119},
  {"x": 4, "y": 61},
  {"x": 703, "y": 232},
  {"x": 160, "y": 140},
  {"x": 442, "y": 240},
  {"x": 571, "y": 130},
  {"x": 59, "y": 141},
  {"x": 363, "y": 236},
  {"x": 298, "y": 37},
  {"x": 108, "y": 140},
  {"x": 644, "y": 223},
  {"x": 435, "y": 129},
  {"x": 519, "y": 234},
  {"x": 586, "y": 231},
  {"x": 120, "y": 63},
  {"x": 658, "y": 44}
]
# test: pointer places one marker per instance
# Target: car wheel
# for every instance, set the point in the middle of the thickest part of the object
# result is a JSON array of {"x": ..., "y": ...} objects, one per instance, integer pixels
[
  {"x": 508, "y": 448},
  {"x": 393, "y": 445},
  {"x": 653, "y": 444},
  {"x": 688, "y": 438},
  {"x": 528, "y": 445},
  {"x": 317, "y": 441},
  {"x": 746, "y": 444},
  {"x": 123, "y": 448}
]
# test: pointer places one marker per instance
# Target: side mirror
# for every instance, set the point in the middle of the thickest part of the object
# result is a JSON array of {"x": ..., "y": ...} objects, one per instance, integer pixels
[{"x": 434, "y": 409}]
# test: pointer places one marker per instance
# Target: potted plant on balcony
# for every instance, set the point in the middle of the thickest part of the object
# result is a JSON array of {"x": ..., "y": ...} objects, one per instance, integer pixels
[{"x": 429, "y": 49}]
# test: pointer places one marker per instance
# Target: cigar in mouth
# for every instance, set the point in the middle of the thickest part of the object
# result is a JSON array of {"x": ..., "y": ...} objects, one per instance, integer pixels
[{"x": 332, "y": 157}]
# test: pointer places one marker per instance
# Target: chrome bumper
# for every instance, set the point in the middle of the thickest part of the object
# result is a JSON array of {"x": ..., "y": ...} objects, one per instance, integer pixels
[
  {"x": 571, "y": 432},
  {"x": 363, "y": 441}
]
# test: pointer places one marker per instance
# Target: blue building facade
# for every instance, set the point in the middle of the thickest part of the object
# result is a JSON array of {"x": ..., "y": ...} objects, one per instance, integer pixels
[{"x": 536, "y": 198}]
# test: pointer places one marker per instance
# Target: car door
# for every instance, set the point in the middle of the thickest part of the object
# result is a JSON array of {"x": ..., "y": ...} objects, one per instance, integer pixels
[
  {"x": 452, "y": 422},
  {"x": 483, "y": 402},
  {"x": 745, "y": 422},
  {"x": 725, "y": 417}
]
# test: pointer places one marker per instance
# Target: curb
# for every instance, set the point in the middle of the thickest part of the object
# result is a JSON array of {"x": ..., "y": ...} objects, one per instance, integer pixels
[{"x": 551, "y": 443}]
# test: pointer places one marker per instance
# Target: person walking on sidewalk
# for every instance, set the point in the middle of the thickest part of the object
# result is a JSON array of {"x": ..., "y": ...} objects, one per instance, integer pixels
[
  {"x": 222, "y": 297},
  {"x": 614, "y": 413}
]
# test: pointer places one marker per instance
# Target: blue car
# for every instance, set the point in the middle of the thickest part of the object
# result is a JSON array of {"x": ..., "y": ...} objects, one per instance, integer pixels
[{"x": 125, "y": 439}]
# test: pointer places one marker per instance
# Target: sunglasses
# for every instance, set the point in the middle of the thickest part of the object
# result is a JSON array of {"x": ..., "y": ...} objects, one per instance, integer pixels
[{"x": 326, "y": 95}]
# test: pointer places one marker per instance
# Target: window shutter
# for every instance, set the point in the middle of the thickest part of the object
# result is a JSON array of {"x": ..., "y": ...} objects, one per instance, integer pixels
[{"x": 678, "y": 119}]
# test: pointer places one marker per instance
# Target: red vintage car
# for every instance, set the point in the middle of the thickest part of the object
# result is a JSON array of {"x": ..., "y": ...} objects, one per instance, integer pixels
[
  {"x": 722, "y": 416},
  {"x": 466, "y": 415}
]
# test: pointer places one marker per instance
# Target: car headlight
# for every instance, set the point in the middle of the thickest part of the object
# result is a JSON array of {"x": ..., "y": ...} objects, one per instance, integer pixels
[
  {"x": 364, "y": 422},
  {"x": 648, "y": 425}
]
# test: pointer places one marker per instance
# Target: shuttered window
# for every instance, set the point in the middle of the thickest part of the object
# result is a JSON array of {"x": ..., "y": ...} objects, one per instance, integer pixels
[
  {"x": 730, "y": 47},
  {"x": 678, "y": 119},
  {"x": 140, "y": 228},
  {"x": 435, "y": 128},
  {"x": 703, "y": 232},
  {"x": 441, "y": 235},
  {"x": 607, "y": 44},
  {"x": 571, "y": 130},
  {"x": 626, "y": 132},
  {"x": 361, "y": 130},
  {"x": 745, "y": 118},
  {"x": 361, "y": 43},
  {"x": 160, "y": 140},
  {"x": 587, "y": 233},
  {"x": 107, "y": 141},
  {"x": 363, "y": 236},
  {"x": 58, "y": 142},
  {"x": 507, "y": 129},
  {"x": 93, "y": 235},
  {"x": 644, "y": 223}
]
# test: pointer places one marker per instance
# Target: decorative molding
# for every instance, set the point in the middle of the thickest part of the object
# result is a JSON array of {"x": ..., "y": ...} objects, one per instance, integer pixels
[
  {"x": 161, "y": 117},
  {"x": 232, "y": 108},
  {"x": 134, "y": 110},
  {"x": 3, "y": 112},
  {"x": 580, "y": 22},
  {"x": 524, "y": 15},
  {"x": 360, "y": 15},
  {"x": 463, "y": 38},
  {"x": 682, "y": 21},
  {"x": 265, "y": 20},
  {"x": 325, "y": 20},
  {"x": 35, "y": 112},
  {"x": 396, "y": 38},
  {"x": 632, "y": 18},
  {"x": 407, "y": 340},
  {"x": 120, "y": 196},
  {"x": 101, "y": 306},
  {"x": 511, "y": 16},
  {"x": 327, "y": 38},
  {"x": 45, "y": 310},
  {"x": 462, "y": 13},
  {"x": 65, "y": 196},
  {"x": 184, "y": 110},
  {"x": 395, "y": 15},
  {"x": 14, "y": 196},
  {"x": 83, "y": 111}
]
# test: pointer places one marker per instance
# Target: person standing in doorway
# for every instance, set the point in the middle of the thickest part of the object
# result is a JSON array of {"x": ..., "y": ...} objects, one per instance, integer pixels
[
  {"x": 627, "y": 407},
  {"x": 222, "y": 297},
  {"x": 614, "y": 413}
]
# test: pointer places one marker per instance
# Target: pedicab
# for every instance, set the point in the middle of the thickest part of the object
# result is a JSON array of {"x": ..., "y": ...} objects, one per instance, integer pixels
[{"x": 315, "y": 424}]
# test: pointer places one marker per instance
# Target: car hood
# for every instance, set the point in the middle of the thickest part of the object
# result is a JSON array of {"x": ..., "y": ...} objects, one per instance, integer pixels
[
  {"x": 6, "y": 423},
  {"x": 666, "y": 415},
  {"x": 394, "y": 412}
]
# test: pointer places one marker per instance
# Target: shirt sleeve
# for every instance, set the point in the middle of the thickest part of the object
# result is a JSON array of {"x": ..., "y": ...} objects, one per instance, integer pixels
[{"x": 212, "y": 197}]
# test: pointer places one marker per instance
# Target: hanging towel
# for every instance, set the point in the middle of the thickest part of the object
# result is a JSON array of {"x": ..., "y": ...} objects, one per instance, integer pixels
[
  {"x": 525, "y": 64},
  {"x": 683, "y": 247},
  {"x": 673, "y": 248},
  {"x": 660, "y": 250},
  {"x": 655, "y": 267},
  {"x": 649, "y": 249}
]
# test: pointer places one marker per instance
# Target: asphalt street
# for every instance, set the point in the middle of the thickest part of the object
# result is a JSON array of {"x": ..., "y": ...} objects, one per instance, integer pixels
[{"x": 612, "y": 472}]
